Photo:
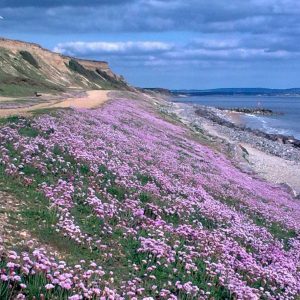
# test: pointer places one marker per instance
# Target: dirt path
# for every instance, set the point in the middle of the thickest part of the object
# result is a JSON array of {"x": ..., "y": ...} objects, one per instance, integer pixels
[
  {"x": 90, "y": 99},
  {"x": 6, "y": 99},
  {"x": 93, "y": 99}
]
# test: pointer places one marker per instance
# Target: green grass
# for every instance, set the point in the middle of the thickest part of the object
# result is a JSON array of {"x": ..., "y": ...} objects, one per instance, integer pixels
[
  {"x": 144, "y": 178},
  {"x": 107, "y": 174},
  {"x": 29, "y": 132},
  {"x": 86, "y": 219},
  {"x": 84, "y": 169},
  {"x": 145, "y": 197},
  {"x": 14, "y": 89},
  {"x": 49, "y": 111},
  {"x": 10, "y": 119},
  {"x": 78, "y": 68},
  {"x": 117, "y": 191},
  {"x": 207, "y": 223}
]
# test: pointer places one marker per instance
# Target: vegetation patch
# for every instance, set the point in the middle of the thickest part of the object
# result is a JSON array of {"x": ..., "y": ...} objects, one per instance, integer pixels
[
  {"x": 144, "y": 178},
  {"x": 11, "y": 119},
  {"x": 29, "y": 58},
  {"x": 145, "y": 197},
  {"x": 117, "y": 83},
  {"x": 97, "y": 77},
  {"x": 29, "y": 132},
  {"x": 78, "y": 68},
  {"x": 117, "y": 191}
]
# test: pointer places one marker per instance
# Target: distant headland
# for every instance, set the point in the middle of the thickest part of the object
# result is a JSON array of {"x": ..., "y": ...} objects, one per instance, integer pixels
[{"x": 238, "y": 91}]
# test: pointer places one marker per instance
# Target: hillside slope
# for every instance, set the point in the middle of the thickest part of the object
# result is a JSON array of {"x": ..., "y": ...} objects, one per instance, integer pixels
[
  {"x": 26, "y": 68},
  {"x": 135, "y": 207}
]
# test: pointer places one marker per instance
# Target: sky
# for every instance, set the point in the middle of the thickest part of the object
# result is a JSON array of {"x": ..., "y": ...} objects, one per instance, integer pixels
[{"x": 176, "y": 44}]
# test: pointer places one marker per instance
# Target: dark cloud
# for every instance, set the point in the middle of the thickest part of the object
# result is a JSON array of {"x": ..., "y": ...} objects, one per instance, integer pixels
[
  {"x": 255, "y": 16},
  {"x": 203, "y": 34},
  {"x": 58, "y": 3}
]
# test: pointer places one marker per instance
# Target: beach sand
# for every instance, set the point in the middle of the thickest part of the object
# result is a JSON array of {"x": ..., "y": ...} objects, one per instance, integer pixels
[{"x": 272, "y": 168}]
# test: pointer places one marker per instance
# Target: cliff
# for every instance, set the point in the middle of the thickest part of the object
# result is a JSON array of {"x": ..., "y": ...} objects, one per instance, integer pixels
[{"x": 26, "y": 68}]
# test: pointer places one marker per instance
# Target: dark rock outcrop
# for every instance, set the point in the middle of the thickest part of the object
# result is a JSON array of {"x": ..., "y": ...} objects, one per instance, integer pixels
[{"x": 255, "y": 111}]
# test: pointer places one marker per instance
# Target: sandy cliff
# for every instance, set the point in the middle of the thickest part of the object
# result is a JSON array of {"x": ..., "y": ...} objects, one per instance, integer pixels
[{"x": 27, "y": 67}]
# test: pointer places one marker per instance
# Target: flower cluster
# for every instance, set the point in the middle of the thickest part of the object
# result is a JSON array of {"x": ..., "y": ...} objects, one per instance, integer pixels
[
  {"x": 167, "y": 217},
  {"x": 56, "y": 278}
]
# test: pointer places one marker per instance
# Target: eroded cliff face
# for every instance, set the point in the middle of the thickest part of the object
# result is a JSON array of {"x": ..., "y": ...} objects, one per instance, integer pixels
[
  {"x": 27, "y": 67},
  {"x": 94, "y": 65}
]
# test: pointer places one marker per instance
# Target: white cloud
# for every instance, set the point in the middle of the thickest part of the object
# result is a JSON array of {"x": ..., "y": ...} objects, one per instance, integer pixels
[
  {"x": 94, "y": 48},
  {"x": 202, "y": 50},
  {"x": 229, "y": 54},
  {"x": 223, "y": 43}
]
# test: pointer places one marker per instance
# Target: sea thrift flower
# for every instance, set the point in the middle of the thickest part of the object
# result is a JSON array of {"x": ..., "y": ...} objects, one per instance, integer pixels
[
  {"x": 125, "y": 185},
  {"x": 49, "y": 286}
]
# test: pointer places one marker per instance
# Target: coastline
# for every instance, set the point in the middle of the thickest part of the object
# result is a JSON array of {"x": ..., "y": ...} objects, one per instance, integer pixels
[{"x": 253, "y": 152}]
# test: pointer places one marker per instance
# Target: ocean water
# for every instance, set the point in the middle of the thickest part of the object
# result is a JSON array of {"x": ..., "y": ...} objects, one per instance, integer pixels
[{"x": 287, "y": 123}]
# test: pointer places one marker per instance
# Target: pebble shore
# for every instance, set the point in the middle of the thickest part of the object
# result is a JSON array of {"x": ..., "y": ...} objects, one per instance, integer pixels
[
  {"x": 253, "y": 151},
  {"x": 199, "y": 115}
]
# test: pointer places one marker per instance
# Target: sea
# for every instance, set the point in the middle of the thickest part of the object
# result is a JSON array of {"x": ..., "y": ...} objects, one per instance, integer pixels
[{"x": 286, "y": 122}]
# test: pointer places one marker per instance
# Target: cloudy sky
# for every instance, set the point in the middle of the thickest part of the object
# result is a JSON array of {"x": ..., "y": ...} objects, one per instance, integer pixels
[{"x": 169, "y": 43}]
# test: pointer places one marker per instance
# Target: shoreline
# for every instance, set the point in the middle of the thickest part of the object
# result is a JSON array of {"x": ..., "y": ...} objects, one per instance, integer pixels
[
  {"x": 233, "y": 119},
  {"x": 270, "y": 159}
]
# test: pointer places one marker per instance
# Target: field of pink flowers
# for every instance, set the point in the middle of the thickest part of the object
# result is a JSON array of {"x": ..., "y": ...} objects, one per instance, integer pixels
[{"x": 141, "y": 210}]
